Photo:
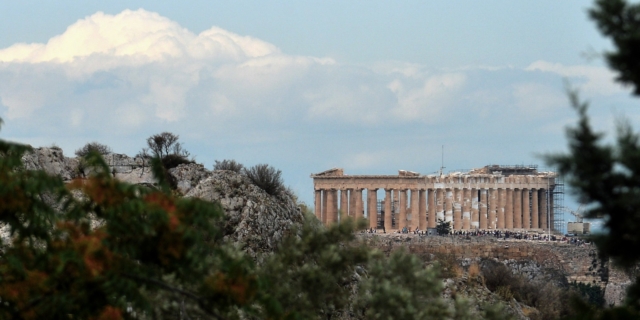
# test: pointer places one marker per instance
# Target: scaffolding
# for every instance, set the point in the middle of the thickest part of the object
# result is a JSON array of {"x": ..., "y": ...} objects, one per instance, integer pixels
[{"x": 557, "y": 205}]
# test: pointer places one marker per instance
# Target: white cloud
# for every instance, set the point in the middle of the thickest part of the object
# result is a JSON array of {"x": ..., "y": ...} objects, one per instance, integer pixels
[
  {"x": 536, "y": 99},
  {"x": 141, "y": 35},
  {"x": 590, "y": 79},
  {"x": 122, "y": 77},
  {"x": 427, "y": 102}
]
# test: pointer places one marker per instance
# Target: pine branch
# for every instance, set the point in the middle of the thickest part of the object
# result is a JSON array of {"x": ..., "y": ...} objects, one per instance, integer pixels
[{"x": 173, "y": 289}]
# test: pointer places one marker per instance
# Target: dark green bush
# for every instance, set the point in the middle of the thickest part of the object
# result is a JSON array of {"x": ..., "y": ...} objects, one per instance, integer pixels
[
  {"x": 592, "y": 294},
  {"x": 174, "y": 160},
  {"x": 93, "y": 146},
  {"x": 550, "y": 299},
  {"x": 230, "y": 165},
  {"x": 266, "y": 177}
]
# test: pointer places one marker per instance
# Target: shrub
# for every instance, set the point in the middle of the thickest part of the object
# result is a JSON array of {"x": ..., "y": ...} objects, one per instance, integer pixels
[
  {"x": 474, "y": 270},
  {"x": 266, "y": 177},
  {"x": 230, "y": 165},
  {"x": 443, "y": 228},
  {"x": 551, "y": 301},
  {"x": 497, "y": 275},
  {"x": 591, "y": 293},
  {"x": 93, "y": 146},
  {"x": 174, "y": 160}
]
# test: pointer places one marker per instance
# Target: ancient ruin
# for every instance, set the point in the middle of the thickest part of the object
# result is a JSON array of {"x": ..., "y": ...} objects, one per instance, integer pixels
[{"x": 489, "y": 198}]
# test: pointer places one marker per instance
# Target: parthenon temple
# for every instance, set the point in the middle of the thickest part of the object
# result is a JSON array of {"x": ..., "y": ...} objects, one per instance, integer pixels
[{"x": 489, "y": 198}]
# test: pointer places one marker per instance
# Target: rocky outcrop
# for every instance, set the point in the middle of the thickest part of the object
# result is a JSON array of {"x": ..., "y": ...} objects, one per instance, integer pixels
[
  {"x": 188, "y": 176},
  {"x": 473, "y": 289},
  {"x": 536, "y": 260},
  {"x": 132, "y": 170},
  {"x": 616, "y": 289},
  {"x": 256, "y": 220},
  {"x": 51, "y": 161}
]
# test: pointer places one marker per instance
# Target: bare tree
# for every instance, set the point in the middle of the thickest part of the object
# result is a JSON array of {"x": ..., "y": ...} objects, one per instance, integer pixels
[
  {"x": 161, "y": 144},
  {"x": 166, "y": 147}
]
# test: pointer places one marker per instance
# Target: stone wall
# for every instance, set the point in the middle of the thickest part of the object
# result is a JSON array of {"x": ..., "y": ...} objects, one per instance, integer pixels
[{"x": 533, "y": 259}]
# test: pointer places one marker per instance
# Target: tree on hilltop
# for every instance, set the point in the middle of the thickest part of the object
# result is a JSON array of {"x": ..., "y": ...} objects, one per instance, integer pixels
[
  {"x": 607, "y": 177},
  {"x": 166, "y": 147}
]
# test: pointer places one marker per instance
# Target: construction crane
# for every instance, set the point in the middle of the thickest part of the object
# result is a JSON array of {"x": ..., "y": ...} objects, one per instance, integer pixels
[
  {"x": 578, "y": 227},
  {"x": 577, "y": 213}
]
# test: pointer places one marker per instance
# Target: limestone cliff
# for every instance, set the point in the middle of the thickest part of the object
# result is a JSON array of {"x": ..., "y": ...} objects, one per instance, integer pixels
[{"x": 254, "y": 218}]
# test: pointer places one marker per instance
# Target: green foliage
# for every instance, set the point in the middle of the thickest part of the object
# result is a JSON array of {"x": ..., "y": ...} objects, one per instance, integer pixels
[
  {"x": 443, "y": 228},
  {"x": 92, "y": 258},
  {"x": 400, "y": 287},
  {"x": 230, "y": 165},
  {"x": 266, "y": 177},
  {"x": 592, "y": 294},
  {"x": 174, "y": 160},
  {"x": 310, "y": 274},
  {"x": 93, "y": 147},
  {"x": 551, "y": 301},
  {"x": 605, "y": 177},
  {"x": 620, "y": 21}
]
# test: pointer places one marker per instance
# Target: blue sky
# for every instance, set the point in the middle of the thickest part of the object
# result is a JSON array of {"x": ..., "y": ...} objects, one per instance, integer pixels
[{"x": 369, "y": 86}]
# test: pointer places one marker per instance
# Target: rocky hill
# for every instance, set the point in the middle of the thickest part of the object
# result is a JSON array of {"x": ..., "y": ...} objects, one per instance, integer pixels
[
  {"x": 537, "y": 261},
  {"x": 258, "y": 221},
  {"x": 254, "y": 219}
]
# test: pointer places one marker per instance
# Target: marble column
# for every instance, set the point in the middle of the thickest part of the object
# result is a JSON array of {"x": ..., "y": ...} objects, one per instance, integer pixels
[
  {"x": 396, "y": 209},
  {"x": 372, "y": 208},
  {"x": 475, "y": 218},
  {"x": 336, "y": 210},
  {"x": 387, "y": 210},
  {"x": 457, "y": 209},
  {"x": 422, "y": 210},
  {"x": 526, "y": 210},
  {"x": 414, "y": 209},
  {"x": 543, "y": 209},
  {"x": 431, "y": 205},
  {"x": 466, "y": 209},
  {"x": 344, "y": 205},
  {"x": 508, "y": 221},
  {"x": 448, "y": 206},
  {"x": 517, "y": 209},
  {"x": 352, "y": 203},
  {"x": 402, "y": 203},
  {"x": 332, "y": 206},
  {"x": 483, "y": 209},
  {"x": 359, "y": 214},
  {"x": 501, "y": 210},
  {"x": 325, "y": 192},
  {"x": 317, "y": 205},
  {"x": 493, "y": 208},
  {"x": 440, "y": 205},
  {"x": 535, "y": 215}
]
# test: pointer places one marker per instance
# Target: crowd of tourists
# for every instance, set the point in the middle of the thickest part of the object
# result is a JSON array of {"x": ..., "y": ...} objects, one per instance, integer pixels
[{"x": 499, "y": 234}]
